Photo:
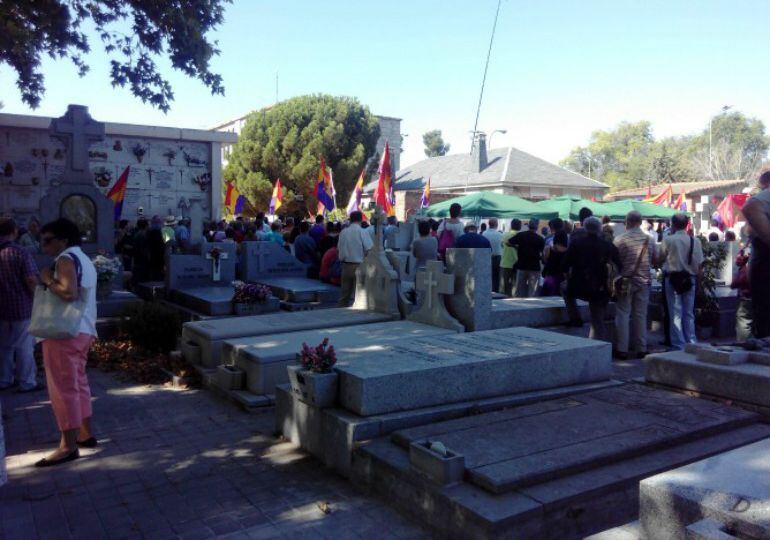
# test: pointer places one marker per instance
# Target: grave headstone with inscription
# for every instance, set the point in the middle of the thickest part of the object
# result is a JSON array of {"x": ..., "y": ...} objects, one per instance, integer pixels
[
  {"x": 203, "y": 282},
  {"x": 433, "y": 286},
  {"x": 471, "y": 303},
  {"x": 270, "y": 264}
]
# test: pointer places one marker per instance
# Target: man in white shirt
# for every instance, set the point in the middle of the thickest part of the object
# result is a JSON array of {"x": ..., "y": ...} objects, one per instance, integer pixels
[
  {"x": 352, "y": 246},
  {"x": 495, "y": 238},
  {"x": 683, "y": 257}
]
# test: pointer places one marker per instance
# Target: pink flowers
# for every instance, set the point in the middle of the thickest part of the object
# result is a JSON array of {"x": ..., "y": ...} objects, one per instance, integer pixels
[
  {"x": 319, "y": 359},
  {"x": 251, "y": 293}
]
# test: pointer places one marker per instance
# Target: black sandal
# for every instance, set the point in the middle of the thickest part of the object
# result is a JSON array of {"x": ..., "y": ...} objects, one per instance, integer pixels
[
  {"x": 72, "y": 456},
  {"x": 91, "y": 442}
]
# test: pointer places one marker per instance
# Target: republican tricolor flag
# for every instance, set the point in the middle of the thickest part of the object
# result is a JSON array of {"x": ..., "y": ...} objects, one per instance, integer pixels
[
  {"x": 681, "y": 203},
  {"x": 324, "y": 190},
  {"x": 234, "y": 201},
  {"x": 354, "y": 204},
  {"x": 663, "y": 199},
  {"x": 118, "y": 193},
  {"x": 277, "y": 199},
  {"x": 425, "y": 200},
  {"x": 383, "y": 194}
]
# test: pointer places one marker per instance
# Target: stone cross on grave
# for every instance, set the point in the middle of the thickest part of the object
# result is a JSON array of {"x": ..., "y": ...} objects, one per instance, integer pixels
[
  {"x": 432, "y": 284},
  {"x": 77, "y": 130},
  {"x": 215, "y": 255},
  {"x": 378, "y": 220}
]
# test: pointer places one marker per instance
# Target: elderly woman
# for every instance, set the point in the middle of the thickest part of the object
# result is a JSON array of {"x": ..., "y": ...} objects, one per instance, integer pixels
[{"x": 65, "y": 359}]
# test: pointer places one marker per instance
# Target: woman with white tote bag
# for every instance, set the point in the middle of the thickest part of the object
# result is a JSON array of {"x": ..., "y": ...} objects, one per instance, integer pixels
[{"x": 68, "y": 289}]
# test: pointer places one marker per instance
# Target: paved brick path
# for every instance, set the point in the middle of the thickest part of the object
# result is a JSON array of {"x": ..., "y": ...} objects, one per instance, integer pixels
[{"x": 175, "y": 464}]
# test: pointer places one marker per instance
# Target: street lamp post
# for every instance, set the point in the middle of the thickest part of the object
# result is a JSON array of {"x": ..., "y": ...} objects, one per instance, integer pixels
[
  {"x": 503, "y": 131},
  {"x": 725, "y": 108}
]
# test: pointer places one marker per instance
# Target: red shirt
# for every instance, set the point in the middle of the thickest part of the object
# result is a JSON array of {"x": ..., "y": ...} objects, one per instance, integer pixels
[{"x": 327, "y": 261}]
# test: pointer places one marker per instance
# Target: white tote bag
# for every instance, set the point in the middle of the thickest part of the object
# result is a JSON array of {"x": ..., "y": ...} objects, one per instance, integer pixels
[{"x": 54, "y": 318}]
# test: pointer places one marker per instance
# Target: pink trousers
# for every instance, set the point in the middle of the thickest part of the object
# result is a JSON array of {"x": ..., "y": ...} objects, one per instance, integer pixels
[{"x": 65, "y": 372}]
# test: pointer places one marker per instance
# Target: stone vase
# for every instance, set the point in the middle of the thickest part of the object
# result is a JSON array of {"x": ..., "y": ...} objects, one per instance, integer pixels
[
  {"x": 104, "y": 289},
  {"x": 316, "y": 389}
]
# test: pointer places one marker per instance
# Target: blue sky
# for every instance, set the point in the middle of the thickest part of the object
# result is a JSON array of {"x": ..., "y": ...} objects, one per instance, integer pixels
[{"x": 559, "y": 69}]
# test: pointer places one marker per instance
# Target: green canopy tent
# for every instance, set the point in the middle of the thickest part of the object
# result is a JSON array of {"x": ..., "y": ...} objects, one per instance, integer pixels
[
  {"x": 487, "y": 204},
  {"x": 648, "y": 210},
  {"x": 569, "y": 207}
]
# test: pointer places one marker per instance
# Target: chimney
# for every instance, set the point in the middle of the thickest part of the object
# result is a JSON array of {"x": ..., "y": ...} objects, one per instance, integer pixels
[{"x": 479, "y": 153}]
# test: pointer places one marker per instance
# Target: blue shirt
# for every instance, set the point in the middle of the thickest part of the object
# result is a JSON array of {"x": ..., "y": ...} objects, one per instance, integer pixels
[
  {"x": 273, "y": 237},
  {"x": 472, "y": 240},
  {"x": 305, "y": 249}
]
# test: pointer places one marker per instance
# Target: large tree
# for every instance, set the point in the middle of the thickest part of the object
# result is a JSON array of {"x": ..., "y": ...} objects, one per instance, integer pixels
[
  {"x": 134, "y": 33},
  {"x": 736, "y": 150},
  {"x": 434, "y": 143},
  {"x": 620, "y": 157},
  {"x": 288, "y": 140}
]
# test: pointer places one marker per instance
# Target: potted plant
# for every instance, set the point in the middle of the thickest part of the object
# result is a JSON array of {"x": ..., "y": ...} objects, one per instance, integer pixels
[
  {"x": 106, "y": 270},
  {"x": 253, "y": 299},
  {"x": 313, "y": 381},
  {"x": 706, "y": 304}
]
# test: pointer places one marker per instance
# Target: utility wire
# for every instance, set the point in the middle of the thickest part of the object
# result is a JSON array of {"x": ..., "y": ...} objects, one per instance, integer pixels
[{"x": 484, "y": 79}]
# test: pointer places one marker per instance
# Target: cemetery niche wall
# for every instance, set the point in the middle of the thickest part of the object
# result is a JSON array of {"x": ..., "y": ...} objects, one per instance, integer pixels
[{"x": 169, "y": 170}]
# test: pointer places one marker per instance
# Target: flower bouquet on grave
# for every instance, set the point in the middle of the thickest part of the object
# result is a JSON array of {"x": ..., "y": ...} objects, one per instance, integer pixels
[
  {"x": 251, "y": 293},
  {"x": 107, "y": 268},
  {"x": 313, "y": 381},
  {"x": 253, "y": 299}
]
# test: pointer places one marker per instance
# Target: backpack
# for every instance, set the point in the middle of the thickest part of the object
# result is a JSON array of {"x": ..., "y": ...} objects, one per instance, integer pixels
[{"x": 446, "y": 240}]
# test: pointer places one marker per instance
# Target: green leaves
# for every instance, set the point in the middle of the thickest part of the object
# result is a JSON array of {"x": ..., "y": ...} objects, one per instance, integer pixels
[
  {"x": 176, "y": 28},
  {"x": 629, "y": 156},
  {"x": 288, "y": 140},
  {"x": 434, "y": 143}
]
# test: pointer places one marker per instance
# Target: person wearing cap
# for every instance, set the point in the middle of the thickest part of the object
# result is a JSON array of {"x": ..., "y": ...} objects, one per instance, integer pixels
[{"x": 168, "y": 232}]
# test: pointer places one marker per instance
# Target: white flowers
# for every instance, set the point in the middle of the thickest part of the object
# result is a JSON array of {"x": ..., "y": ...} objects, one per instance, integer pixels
[{"x": 106, "y": 268}]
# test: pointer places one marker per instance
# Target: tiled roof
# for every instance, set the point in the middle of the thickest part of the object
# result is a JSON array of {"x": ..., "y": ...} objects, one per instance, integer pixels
[
  {"x": 689, "y": 188},
  {"x": 504, "y": 166}
]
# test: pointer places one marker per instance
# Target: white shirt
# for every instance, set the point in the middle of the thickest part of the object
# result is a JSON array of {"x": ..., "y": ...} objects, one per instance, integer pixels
[
  {"x": 458, "y": 229},
  {"x": 495, "y": 238},
  {"x": 353, "y": 243},
  {"x": 717, "y": 231},
  {"x": 87, "y": 282}
]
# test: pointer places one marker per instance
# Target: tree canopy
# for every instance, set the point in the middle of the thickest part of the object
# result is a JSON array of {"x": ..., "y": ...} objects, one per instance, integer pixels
[
  {"x": 288, "y": 140},
  {"x": 133, "y": 34},
  {"x": 434, "y": 143},
  {"x": 629, "y": 155}
]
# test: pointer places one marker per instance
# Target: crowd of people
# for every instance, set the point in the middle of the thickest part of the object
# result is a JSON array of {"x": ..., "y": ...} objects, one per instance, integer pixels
[{"x": 585, "y": 260}]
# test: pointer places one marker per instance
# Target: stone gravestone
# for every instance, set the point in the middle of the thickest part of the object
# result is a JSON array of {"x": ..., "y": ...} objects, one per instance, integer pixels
[
  {"x": 376, "y": 279},
  {"x": 471, "y": 303},
  {"x": 270, "y": 264},
  {"x": 76, "y": 197},
  {"x": 260, "y": 260},
  {"x": 433, "y": 285},
  {"x": 203, "y": 282},
  {"x": 722, "y": 497}
]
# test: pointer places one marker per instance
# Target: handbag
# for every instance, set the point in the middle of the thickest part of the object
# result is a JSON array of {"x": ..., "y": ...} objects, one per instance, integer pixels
[
  {"x": 681, "y": 281},
  {"x": 54, "y": 318},
  {"x": 623, "y": 284}
]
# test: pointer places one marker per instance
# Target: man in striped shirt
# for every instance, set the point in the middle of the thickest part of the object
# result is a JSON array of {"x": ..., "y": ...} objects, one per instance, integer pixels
[{"x": 637, "y": 251}]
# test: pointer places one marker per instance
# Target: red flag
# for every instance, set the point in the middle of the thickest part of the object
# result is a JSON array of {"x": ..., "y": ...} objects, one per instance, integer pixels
[
  {"x": 730, "y": 208},
  {"x": 649, "y": 193},
  {"x": 383, "y": 194}
]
